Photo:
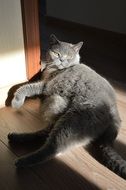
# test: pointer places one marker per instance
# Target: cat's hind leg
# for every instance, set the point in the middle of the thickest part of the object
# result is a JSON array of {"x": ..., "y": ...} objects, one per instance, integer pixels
[
  {"x": 62, "y": 135},
  {"x": 29, "y": 137},
  {"x": 51, "y": 108}
]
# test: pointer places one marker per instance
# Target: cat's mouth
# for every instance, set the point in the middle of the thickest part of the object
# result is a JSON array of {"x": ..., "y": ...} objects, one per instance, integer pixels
[{"x": 52, "y": 66}]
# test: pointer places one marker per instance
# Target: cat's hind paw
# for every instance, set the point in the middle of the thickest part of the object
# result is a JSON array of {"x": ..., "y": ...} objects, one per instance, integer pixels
[
  {"x": 13, "y": 137},
  {"x": 19, "y": 164},
  {"x": 10, "y": 136},
  {"x": 22, "y": 163}
]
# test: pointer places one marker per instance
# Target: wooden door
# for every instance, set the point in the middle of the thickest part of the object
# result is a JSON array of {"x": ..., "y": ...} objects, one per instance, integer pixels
[{"x": 30, "y": 15}]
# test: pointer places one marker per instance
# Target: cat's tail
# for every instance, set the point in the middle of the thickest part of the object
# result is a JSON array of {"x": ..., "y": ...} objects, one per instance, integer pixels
[{"x": 112, "y": 160}]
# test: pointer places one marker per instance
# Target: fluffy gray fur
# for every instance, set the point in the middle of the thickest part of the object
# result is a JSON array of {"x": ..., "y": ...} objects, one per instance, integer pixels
[{"x": 79, "y": 107}]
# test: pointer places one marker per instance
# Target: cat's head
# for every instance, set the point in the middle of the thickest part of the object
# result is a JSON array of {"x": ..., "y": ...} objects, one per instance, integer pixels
[{"x": 61, "y": 54}]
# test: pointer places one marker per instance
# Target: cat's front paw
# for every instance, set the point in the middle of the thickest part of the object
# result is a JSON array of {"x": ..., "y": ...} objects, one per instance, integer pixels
[{"x": 17, "y": 102}]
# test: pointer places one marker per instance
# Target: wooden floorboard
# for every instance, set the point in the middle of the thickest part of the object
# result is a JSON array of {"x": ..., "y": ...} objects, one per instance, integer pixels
[
  {"x": 76, "y": 169},
  {"x": 12, "y": 179}
]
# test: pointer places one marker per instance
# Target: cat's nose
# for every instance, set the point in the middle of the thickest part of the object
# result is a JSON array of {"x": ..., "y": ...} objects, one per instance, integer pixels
[{"x": 61, "y": 59}]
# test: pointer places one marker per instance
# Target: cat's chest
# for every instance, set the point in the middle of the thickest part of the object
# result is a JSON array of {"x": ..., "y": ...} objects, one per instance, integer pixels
[
  {"x": 62, "y": 83},
  {"x": 48, "y": 75}
]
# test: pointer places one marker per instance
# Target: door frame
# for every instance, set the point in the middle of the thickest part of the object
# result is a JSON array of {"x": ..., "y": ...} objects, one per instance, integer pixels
[{"x": 30, "y": 20}]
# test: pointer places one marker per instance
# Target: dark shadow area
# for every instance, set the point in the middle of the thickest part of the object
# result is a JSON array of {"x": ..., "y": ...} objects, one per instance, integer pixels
[
  {"x": 24, "y": 148},
  {"x": 52, "y": 175},
  {"x": 56, "y": 175},
  {"x": 120, "y": 147},
  {"x": 95, "y": 152}
]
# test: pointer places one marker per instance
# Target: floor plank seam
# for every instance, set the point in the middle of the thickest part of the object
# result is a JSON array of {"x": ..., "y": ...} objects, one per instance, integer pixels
[
  {"x": 8, "y": 148},
  {"x": 32, "y": 170}
]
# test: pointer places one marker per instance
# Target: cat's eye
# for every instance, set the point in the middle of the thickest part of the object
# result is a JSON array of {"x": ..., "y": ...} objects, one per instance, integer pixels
[{"x": 57, "y": 53}]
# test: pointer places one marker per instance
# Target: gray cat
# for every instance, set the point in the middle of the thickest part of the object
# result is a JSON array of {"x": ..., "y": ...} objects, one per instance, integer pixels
[{"x": 78, "y": 107}]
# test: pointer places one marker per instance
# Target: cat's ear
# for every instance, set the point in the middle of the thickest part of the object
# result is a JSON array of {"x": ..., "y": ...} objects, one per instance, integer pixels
[
  {"x": 78, "y": 46},
  {"x": 53, "y": 40}
]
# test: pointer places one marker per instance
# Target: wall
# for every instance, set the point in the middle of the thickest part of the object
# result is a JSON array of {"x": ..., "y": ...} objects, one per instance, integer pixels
[
  {"x": 104, "y": 14},
  {"x": 12, "y": 57}
]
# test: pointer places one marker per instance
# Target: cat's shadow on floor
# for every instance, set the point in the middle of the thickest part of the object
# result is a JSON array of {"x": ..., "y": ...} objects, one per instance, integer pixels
[
  {"x": 55, "y": 175},
  {"x": 119, "y": 147}
]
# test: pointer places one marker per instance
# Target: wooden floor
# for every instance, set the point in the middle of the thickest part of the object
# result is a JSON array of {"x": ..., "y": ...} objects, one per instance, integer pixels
[{"x": 74, "y": 170}]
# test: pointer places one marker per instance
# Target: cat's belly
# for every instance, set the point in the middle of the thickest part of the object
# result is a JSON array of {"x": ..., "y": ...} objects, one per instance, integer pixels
[{"x": 51, "y": 107}]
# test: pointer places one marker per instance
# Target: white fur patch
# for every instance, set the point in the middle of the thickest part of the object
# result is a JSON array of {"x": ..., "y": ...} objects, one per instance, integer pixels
[{"x": 73, "y": 145}]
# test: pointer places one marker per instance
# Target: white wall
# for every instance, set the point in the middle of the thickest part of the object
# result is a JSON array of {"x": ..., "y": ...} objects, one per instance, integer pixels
[
  {"x": 12, "y": 57},
  {"x": 104, "y": 14}
]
